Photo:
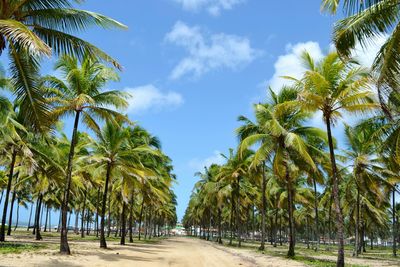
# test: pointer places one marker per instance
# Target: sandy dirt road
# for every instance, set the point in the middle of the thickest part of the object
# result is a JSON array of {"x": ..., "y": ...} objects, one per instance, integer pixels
[{"x": 177, "y": 252}]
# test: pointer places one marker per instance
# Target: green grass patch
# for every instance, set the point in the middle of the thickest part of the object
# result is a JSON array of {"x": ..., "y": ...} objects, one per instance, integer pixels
[
  {"x": 9, "y": 247},
  {"x": 321, "y": 263}
]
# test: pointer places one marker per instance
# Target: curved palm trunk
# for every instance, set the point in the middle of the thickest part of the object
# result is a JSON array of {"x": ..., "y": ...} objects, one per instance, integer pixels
[
  {"x": 335, "y": 191},
  {"x": 219, "y": 226},
  {"x": 394, "y": 221},
  {"x": 316, "y": 215},
  {"x": 64, "y": 247},
  {"x": 263, "y": 207},
  {"x": 103, "y": 243},
  {"x": 123, "y": 223},
  {"x": 3, "y": 220}
]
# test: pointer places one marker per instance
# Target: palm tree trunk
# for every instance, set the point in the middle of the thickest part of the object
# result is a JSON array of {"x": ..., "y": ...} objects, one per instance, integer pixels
[
  {"x": 123, "y": 223},
  {"x": 394, "y": 221},
  {"x": 3, "y": 220},
  {"x": 103, "y": 243},
  {"x": 11, "y": 209},
  {"x": 336, "y": 198},
  {"x": 83, "y": 215},
  {"x": 16, "y": 223},
  {"x": 97, "y": 212},
  {"x": 356, "y": 250},
  {"x": 263, "y": 207},
  {"x": 276, "y": 228},
  {"x": 291, "y": 217},
  {"x": 38, "y": 226},
  {"x": 30, "y": 217},
  {"x": 238, "y": 223},
  {"x": 219, "y": 226},
  {"x": 316, "y": 215},
  {"x": 45, "y": 220},
  {"x": 64, "y": 247},
  {"x": 131, "y": 221},
  {"x": 109, "y": 214},
  {"x": 231, "y": 219},
  {"x": 140, "y": 218}
]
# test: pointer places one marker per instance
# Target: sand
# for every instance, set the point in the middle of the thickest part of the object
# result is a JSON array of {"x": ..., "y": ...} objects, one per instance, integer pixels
[{"x": 182, "y": 252}]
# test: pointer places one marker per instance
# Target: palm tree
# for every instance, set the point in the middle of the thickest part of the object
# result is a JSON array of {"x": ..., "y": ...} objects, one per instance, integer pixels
[
  {"x": 366, "y": 20},
  {"x": 333, "y": 86},
  {"x": 114, "y": 156},
  {"x": 79, "y": 94},
  {"x": 249, "y": 131},
  {"x": 32, "y": 29}
]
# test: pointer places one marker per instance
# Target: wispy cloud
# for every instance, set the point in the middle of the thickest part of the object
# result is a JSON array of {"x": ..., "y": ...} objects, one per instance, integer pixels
[
  {"x": 150, "y": 98},
  {"x": 213, "y": 7},
  {"x": 198, "y": 164},
  {"x": 208, "y": 52}
]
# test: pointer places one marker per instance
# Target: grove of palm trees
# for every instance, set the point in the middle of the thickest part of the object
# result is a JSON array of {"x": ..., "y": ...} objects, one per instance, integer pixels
[{"x": 83, "y": 181}]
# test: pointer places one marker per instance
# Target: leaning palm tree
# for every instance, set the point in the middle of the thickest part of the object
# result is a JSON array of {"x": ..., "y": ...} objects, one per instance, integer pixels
[
  {"x": 333, "y": 87},
  {"x": 80, "y": 94},
  {"x": 365, "y": 20},
  {"x": 36, "y": 28}
]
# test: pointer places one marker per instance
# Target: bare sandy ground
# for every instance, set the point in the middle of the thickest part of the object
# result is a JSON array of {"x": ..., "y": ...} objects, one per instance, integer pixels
[{"x": 177, "y": 252}]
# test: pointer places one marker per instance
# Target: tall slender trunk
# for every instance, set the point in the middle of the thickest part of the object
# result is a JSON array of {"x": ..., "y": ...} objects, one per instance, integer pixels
[
  {"x": 3, "y": 220},
  {"x": 11, "y": 211},
  {"x": 291, "y": 252},
  {"x": 103, "y": 243},
  {"x": 316, "y": 215},
  {"x": 141, "y": 217},
  {"x": 88, "y": 216},
  {"x": 30, "y": 217},
  {"x": 1, "y": 196},
  {"x": 219, "y": 226},
  {"x": 130, "y": 224},
  {"x": 38, "y": 226},
  {"x": 83, "y": 215},
  {"x": 308, "y": 232},
  {"x": 16, "y": 223},
  {"x": 109, "y": 214},
  {"x": 336, "y": 198},
  {"x": 394, "y": 221},
  {"x": 12, "y": 205},
  {"x": 123, "y": 223},
  {"x": 64, "y": 247},
  {"x": 97, "y": 212},
  {"x": 76, "y": 228},
  {"x": 231, "y": 219},
  {"x": 356, "y": 245},
  {"x": 45, "y": 220},
  {"x": 276, "y": 228},
  {"x": 263, "y": 207},
  {"x": 238, "y": 223}
]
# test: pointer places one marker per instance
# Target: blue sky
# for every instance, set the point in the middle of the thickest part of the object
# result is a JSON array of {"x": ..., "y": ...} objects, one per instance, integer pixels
[{"x": 193, "y": 66}]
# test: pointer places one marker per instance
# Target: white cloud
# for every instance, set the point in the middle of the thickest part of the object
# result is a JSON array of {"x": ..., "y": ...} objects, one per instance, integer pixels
[
  {"x": 366, "y": 55},
  {"x": 208, "y": 52},
  {"x": 290, "y": 64},
  {"x": 213, "y": 7},
  {"x": 199, "y": 164},
  {"x": 150, "y": 98}
]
